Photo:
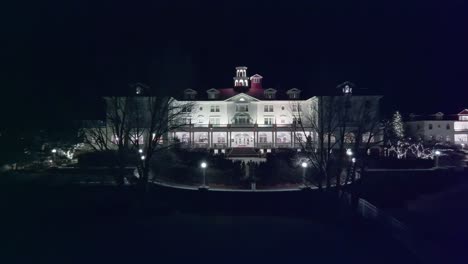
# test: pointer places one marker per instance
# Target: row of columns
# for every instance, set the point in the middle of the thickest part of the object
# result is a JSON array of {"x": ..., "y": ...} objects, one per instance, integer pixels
[{"x": 228, "y": 142}]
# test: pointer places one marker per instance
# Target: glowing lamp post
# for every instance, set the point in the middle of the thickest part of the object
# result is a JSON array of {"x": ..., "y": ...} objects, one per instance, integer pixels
[
  {"x": 140, "y": 151},
  {"x": 203, "y": 166},
  {"x": 352, "y": 161},
  {"x": 143, "y": 157},
  {"x": 437, "y": 154},
  {"x": 54, "y": 153},
  {"x": 304, "y": 168}
]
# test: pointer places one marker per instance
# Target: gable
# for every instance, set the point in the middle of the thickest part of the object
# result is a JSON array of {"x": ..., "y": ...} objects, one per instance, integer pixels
[
  {"x": 270, "y": 90},
  {"x": 293, "y": 90},
  {"x": 212, "y": 90},
  {"x": 190, "y": 91},
  {"x": 239, "y": 97},
  {"x": 256, "y": 76},
  {"x": 464, "y": 112}
]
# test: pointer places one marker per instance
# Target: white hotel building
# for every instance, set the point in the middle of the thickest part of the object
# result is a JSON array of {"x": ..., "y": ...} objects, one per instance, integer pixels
[
  {"x": 248, "y": 116},
  {"x": 439, "y": 127}
]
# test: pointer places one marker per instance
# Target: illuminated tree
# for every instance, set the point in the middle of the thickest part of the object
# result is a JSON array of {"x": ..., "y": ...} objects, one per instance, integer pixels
[{"x": 398, "y": 130}]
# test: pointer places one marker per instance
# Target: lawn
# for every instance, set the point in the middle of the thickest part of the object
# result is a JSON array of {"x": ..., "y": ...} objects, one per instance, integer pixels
[{"x": 50, "y": 223}]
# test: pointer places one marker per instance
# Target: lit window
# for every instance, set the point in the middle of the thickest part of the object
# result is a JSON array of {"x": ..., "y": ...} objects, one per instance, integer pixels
[
  {"x": 268, "y": 121},
  {"x": 293, "y": 95},
  {"x": 268, "y": 108},
  {"x": 242, "y": 108},
  {"x": 296, "y": 107},
  {"x": 214, "y": 120}
]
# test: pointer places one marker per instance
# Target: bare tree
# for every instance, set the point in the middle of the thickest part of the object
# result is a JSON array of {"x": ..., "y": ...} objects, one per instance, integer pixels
[
  {"x": 367, "y": 132},
  {"x": 114, "y": 135},
  {"x": 335, "y": 124},
  {"x": 323, "y": 123},
  {"x": 95, "y": 135},
  {"x": 153, "y": 120}
]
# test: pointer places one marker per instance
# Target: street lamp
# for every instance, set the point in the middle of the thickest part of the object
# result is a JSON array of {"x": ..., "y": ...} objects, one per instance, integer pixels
[
  {"x": 143, "y": 157},
  {"x": 140, "y": 151},
  {"x": 437, "y": 154},
  {"x": 54, "y": 153},
  {"x": 353, "y": 160},
  {"x": 349, "y": 152},
  {"x": 203, "y": 166},
  {"x": 304, "y": 168}
]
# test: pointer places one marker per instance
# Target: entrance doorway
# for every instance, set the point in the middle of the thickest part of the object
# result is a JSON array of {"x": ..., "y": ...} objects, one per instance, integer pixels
[{"x": 243, "y": 140}]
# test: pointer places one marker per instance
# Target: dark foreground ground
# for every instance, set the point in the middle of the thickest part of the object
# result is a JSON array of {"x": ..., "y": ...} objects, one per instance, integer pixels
[{"x": 44, "y": 223}]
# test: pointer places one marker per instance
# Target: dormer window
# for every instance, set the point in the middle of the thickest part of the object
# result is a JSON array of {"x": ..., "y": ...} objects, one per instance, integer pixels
[
  {"x": 463, "y": 115},
  {"x": 212, "y": 93},
  {"x": 439, "y": 116},
  {"x": 293, "y": 93},
  {"x": 140, "y": 88},
  {"x": 347, "y": 89},
  {"x": 189, "y": 94},
  {"x": 270, "y": 93}
]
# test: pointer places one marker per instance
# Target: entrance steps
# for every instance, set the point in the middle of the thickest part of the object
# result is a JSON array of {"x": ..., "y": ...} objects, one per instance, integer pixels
[{"x": 243, "y": 152}]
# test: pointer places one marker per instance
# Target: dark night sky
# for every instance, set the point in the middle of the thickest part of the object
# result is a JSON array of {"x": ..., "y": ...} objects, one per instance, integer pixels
[{"x": 58, "y": 57}]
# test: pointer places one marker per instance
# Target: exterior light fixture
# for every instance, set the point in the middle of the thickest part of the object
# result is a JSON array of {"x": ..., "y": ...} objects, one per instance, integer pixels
[
  {"x": 143, "y": 157},
  {"x": 349, "y": 152},
  {"x": 54, "y": 151},
  {"x": 203, "y": 166},
  {"x": 140, "y": 151},
  {"x": 437, "y": 154},
  {"x": 353, "y": 160},
  {"x": 304, "y": 178}
]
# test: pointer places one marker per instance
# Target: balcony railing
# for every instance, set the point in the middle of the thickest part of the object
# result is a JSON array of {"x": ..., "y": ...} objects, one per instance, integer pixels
[
  {"x": 200, "y": 145},
  {"x": 265, "y": 145},
  {"x": 283, "y": 145}
]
